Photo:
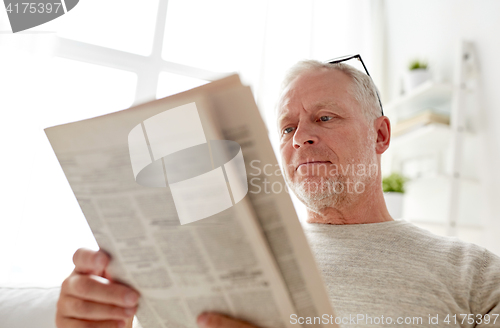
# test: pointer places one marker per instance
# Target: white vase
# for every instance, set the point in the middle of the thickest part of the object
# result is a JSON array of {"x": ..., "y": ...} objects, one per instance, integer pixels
[
  {"x": 416, "y": 77},
  {"x": 394, "y": 203}
]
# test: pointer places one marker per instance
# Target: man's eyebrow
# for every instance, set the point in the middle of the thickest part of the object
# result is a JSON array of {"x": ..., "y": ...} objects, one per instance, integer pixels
[
  {"x": 315, "y": 107},
  {"x": 282, "y": 118},
  {"x": 327, "y": 104}
]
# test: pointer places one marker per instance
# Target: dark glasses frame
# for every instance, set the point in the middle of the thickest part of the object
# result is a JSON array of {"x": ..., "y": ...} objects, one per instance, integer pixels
[{"x": 358, "y": 57}]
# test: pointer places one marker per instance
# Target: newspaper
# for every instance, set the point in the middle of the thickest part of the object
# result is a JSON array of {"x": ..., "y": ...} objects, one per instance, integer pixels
[{"x": 162, "y": 189}]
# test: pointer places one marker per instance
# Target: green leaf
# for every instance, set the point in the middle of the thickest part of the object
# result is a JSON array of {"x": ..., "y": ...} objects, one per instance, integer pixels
[
  {"x": 417, "y": 64},
  {"x": 394, "y": 183}
]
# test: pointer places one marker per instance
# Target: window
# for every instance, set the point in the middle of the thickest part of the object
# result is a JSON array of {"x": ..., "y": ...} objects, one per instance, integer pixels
[
  {"x": 170, "y": 83},
  {"x": 90, "y": 62}
]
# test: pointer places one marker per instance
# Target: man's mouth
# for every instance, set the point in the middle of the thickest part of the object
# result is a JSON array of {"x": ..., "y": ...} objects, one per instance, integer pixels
[{"x": 312, "y": 163}]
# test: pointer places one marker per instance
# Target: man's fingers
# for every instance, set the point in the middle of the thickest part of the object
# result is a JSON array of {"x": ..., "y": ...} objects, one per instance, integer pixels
[
  {"x": 80, "y": 309},
  {"x": 88, "y": 300},
  {"x": 90, "y": 262},
  {"x": 97, "y": 289},
  {"x": 62, "y": 322},
  {"x": 215, "y": 320}
]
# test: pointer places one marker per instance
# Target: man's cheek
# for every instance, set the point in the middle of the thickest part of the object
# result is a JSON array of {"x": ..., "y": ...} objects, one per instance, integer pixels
[{"x": 288, "y": 172}]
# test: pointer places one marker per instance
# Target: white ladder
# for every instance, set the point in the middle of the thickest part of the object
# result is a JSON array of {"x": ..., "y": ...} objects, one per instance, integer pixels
[{"x": 465, "y": 82}]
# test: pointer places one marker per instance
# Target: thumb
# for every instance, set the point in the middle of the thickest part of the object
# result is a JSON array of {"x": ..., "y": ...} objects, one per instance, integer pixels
[{"x": 216, "y": 320}]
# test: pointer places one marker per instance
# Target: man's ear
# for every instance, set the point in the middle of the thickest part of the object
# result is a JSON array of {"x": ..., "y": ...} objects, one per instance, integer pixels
[{"x": 382, "y": 126}]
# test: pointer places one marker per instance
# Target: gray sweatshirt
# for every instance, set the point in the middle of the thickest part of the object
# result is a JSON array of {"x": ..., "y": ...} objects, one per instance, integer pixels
[{"x": 396, "y": 274}]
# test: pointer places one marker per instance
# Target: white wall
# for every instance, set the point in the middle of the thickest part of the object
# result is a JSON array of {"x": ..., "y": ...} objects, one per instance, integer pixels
[{"x": 432, "y": 29}]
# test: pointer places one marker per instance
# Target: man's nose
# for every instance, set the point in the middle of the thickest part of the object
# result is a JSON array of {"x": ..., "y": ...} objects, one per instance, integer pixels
[{"x": 304, "y": 136}]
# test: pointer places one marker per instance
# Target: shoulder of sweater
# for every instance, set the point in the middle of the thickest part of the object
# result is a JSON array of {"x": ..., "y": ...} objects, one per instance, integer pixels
[
  {"x": 406, "y": 235},
  {"x": 478, "y": 267},
  {"x": 444, "y": 243},
  {"x": 454, "y": 247}
]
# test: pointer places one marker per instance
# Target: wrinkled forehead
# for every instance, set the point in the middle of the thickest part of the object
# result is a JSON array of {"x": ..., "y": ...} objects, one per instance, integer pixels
[
  {"x": 292, "y": 93},
  {"x": 316, "y": 89}
]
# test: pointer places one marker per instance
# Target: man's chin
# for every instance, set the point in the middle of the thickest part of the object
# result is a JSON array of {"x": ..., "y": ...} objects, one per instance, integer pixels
[
  {"x": 317, "y": 201},
  {"x": 319, "y": 192},
  {"x": 315, "y": 189}
]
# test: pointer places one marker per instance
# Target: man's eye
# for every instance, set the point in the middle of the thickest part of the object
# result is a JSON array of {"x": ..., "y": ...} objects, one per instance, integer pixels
[
  {"x": 287, "y": 130},
  {"x": 325, "y": 118}
]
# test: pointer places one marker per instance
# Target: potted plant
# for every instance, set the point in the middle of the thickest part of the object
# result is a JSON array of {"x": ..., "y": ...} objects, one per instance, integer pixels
[
  {"x": 417, "y": 74},
  {"x": 393, "y": 187}
]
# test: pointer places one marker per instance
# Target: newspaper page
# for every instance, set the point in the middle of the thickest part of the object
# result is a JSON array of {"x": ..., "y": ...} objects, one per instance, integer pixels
[
  {"x": 272, "y": 203},
  {"x": 161, "y": 187}
]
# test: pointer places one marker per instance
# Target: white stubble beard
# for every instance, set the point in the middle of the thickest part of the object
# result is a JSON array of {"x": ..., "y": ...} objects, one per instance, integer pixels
[{"x": 318, "y": 193}]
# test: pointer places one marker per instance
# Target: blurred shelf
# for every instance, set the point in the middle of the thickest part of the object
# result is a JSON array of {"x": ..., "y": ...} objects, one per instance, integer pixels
[
  {"x": 427, "y": 95},
  {"x": 427, "y": 139},
  {"x": 423, "y": 140}
]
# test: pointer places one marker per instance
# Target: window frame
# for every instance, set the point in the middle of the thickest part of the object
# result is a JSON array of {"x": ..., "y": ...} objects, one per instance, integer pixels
[{"x": 147, "y": 68}]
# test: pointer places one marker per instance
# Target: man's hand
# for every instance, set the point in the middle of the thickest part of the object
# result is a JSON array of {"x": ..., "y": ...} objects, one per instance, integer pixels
[
  {"x": 215, "y": 320},
  {"x": 89, "y": 299}
]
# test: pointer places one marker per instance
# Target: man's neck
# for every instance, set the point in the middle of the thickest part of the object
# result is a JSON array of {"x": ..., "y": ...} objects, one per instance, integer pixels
[{"x": 370, "y": 208}]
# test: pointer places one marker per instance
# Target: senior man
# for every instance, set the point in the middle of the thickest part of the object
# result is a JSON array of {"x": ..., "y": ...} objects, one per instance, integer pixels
[{"x": 332, "y": 135}]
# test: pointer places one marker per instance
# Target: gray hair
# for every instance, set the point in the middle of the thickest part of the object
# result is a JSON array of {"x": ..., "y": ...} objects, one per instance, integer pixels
[{"x": 363, "y": 89}]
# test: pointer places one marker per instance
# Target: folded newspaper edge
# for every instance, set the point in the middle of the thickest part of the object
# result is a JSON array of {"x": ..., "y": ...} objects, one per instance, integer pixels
[{"x": 239, "y": 252}]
